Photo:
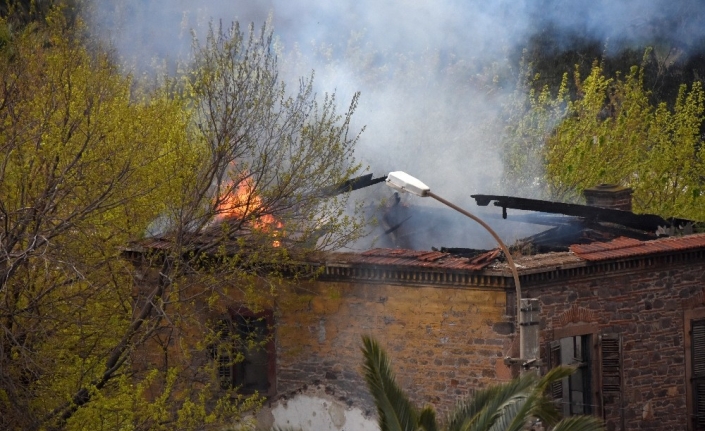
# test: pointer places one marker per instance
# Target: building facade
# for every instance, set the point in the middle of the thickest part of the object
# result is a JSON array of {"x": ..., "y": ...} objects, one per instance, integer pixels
[
  {"x": 444, "y": 326},
  {"x": 628, "y": 314}
]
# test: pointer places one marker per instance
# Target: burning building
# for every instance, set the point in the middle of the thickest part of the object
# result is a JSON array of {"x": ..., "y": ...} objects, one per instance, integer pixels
[{"x": 620, "y": 296}]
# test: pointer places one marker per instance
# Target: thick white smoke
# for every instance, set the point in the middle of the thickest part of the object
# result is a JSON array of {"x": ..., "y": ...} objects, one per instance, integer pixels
[{"x": 427, "y": 70}]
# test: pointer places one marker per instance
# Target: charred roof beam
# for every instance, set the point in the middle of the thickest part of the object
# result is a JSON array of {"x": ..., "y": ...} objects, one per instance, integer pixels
[
  {"x": 352, "y": 184},
  {"x": 644, "y": 222}
]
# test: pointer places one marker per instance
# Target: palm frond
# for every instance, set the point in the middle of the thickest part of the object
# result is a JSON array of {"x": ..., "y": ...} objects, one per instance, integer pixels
[
  {"x": 486, "y": 405},
  {"x": 553, "y": 375},
  {"x": 544, "y": 408},
  {"x": 579, "y": 423},
  {"x": 395, "y": 411},
  {"x": 427, "y": 419},
  {"x": 505, "y": 407},
  {"x": 516, "y": 413}
]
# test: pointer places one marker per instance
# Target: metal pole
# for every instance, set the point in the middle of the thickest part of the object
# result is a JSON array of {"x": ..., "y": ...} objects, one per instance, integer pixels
[{"x": 510, "y": 261}]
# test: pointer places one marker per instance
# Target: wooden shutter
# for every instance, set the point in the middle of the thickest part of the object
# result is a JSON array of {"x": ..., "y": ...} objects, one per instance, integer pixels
[
  {"x": 611, "y": 377},
  {"x": 697, "y": 348},
  {"x": 554, "y": 360},
  {"x": 611, "y": 361}
]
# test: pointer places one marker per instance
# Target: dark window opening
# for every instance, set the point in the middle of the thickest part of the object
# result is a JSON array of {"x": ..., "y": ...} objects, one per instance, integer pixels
[
  {"x": 244, "y": 353},
  {"x": 223, "y": 352},
  {"x": 251, "y": 372}
]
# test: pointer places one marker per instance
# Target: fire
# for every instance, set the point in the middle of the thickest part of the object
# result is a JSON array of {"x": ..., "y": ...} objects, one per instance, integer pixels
[{"x": 243, "y": 201}]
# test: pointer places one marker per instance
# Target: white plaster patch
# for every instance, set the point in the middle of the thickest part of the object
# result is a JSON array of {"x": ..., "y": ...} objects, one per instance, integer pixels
[{"x": 314, "y": 413}]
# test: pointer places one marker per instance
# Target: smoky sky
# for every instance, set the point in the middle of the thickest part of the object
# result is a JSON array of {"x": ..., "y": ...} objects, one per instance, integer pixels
[
  {"x": 433, "y": 75},
  {"x": 466, "y": 28}
]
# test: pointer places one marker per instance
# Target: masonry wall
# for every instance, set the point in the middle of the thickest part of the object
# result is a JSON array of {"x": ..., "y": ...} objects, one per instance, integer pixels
[
  {"x": 644, "y": 302},
  {"x": 443, "y": 341}
]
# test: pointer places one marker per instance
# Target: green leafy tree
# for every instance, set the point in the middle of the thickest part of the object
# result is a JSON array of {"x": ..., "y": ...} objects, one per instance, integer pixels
[
  {"x": 86, "y": 165},
  {"x": 530, "y": 117},
  {"x": 220, "y": 167},
  {"x": 22, "y": 12},
  {"x": 509, "y": 406},
  {"x": 610, "y": 132},
  {"x": 287, "y": 152}
]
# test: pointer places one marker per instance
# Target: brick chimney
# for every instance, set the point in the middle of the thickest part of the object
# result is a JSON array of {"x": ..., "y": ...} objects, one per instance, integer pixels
[{"x": 610, "y": 196}]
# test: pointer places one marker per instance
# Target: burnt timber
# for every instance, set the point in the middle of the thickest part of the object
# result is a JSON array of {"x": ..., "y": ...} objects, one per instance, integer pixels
[{"x": 643, "y": 222}]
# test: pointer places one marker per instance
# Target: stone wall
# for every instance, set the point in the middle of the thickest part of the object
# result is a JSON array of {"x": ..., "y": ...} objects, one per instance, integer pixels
[
  {"x": 645, "y": 305},
  {"x": 443, "y": 342}
]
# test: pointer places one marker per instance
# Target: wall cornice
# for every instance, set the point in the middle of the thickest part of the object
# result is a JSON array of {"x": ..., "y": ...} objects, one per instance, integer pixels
[
  {"x": 416, "y": 276},
  {"x": 501, "y": 278}
]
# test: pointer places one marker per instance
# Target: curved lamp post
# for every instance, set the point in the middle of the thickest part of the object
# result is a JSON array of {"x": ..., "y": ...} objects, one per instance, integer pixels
[{"x": 404, "y": 182}]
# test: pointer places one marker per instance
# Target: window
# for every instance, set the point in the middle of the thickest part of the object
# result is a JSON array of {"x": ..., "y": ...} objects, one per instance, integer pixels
[
  {"x": 695, "y": 367},
  {"x": 596, "y": 386},
  {"x": 574, "y": 392},
  {"x": 244, "y": 352}
]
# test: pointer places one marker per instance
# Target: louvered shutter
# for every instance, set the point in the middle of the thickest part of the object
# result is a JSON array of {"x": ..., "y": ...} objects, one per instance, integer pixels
[
  {"x": 611, "y": 379},
  {"x": 554, "y": 360},
  {"x": 611, "y": 351},
  {"x": 697, "y": 335}
]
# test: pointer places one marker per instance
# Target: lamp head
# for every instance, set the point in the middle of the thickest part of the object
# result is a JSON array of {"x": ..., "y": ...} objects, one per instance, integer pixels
[{"x": 404, "y": 182}]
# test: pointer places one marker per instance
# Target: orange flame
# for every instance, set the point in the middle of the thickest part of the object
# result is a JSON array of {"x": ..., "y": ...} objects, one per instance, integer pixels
[{"x": 242, "y": 201}]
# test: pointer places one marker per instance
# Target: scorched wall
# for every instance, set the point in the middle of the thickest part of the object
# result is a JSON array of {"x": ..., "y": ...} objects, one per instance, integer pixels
[{"x": 443, "y": 341}]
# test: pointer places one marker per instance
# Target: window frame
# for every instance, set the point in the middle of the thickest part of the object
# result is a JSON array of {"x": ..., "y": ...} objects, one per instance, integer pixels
[
  {"x": 593, "y": 368},
  {"x": 688, "y": 318},
  {"x": 269, "y": 347}
]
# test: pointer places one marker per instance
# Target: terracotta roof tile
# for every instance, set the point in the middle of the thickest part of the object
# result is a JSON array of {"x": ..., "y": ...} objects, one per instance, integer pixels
[
  {"x": 421, "y": 259},
  {"x": 627, "y": 247}
]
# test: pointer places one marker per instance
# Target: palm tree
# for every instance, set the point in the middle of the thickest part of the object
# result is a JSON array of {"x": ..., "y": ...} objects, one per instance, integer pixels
[{"x": 510, "y": 406}]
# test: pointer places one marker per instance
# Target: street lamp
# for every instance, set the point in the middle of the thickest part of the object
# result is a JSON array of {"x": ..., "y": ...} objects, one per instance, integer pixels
[{"x": 404, "y": 182}]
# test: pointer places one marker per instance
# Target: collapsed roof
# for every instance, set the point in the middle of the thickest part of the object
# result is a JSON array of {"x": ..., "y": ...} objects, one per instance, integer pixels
[
  {"x": 572, "y": 228},
  {"x": 577, "y": 234},
  {"x": 572, "y": 224}
]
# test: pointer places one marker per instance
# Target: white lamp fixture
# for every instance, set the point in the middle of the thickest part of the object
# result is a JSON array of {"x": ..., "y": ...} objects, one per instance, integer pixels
[{"x": 406, "y": 183}]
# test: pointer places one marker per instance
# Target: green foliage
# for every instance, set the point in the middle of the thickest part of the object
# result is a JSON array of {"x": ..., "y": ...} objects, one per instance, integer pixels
[
  {"x": 83, "y": 165},
  {"x": 394, "y": 410},
  {"x": 613, "y": 135},
  {"x": 284, "y": 149},
  {"x": 667, "y": 62},
  {"x": 23, "y": 12},
  {"x": 503, "y": 407},
  {"x": 610, "y": 132},
  {"x": 97, "y": 330},
  {"x": 531, "y": 116}
]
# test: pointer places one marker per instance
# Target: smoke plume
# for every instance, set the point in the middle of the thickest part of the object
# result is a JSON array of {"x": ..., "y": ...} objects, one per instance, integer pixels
[{"x": 432, "y": 74}]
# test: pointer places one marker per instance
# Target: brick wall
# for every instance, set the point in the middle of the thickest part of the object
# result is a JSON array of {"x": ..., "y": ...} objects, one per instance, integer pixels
[
  {"x": 443, "y": 341},
  {"x": 646, "y": 306},
  {"x": 609, "y": 196}
]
